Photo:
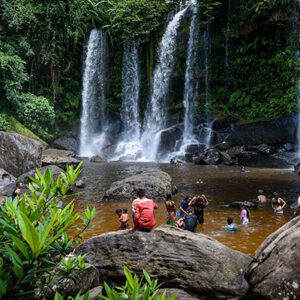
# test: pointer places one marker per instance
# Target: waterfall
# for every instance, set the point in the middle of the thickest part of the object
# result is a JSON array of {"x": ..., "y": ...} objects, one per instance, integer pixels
[
  {"x": 191, "y": 84},
  {"x": 207, "y": 69},
  {"x": 93, "y": 95},
  {"x": 156, "y": 116},
  {"x": 129, "y": 147}
]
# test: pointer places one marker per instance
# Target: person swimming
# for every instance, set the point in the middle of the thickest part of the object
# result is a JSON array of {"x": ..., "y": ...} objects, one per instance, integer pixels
[
  {"x": 278, "y": 204},
  {"x": 199, "y": 181},
  {"x": 245, "y": 215},
  {"x": 261, "y": 197},
  {"x": 229, "y": 226}
]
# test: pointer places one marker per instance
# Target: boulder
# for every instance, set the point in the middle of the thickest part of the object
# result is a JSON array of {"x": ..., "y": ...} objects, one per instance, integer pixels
[
  {"x": 274, "y": 272},
  {"x": 66, "y": 143},
  {"x": 195, "y": 149},
  {"x": 157, "y": 184},
  {"x": 19, "y": 154},
  {"x": 56, "y": 172},
  {"x": 193, "y": 262},
  {"x": 60, "y": 158},
  {"x": 279, "y": 131},
  {"x": 226, "y": 158},
  {"x": 223, "y": 146},
  {"x": 248, "y": 204},
  {"x": 97, "y": 158},
  {"x": 82, "y": 281},
  {"x": 5, "y": 178},
  {"x": 212, "y": 157},
  {"x": 94, "y": 293},
  {"x": 265, "y": 149},
  {"x": 168, "y": 139},
  {"x": 181, "y": 294},
  {"x": 80, "y": 184},
  {"x": 235, "y": 151}
]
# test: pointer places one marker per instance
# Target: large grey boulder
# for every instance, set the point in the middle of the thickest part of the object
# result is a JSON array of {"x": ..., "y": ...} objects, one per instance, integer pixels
[
  {"x": 5, "y": 178},
  {"x": 60, "y": 158},
  {"x": 66, "y": 143},
  {"x": 156, "y": 183},
  {"x": 274, "y": 272},
  {"x": 193, "y": 262},
  {"x": 18, "y": 153},
  {"x": 181, "y": 294}
]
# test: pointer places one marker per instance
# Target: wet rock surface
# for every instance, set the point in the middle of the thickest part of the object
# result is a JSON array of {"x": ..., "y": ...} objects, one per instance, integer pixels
[
  {"x": 5, "y": 178},
  {"x": 97, "y": 158},
  {"x": 193, "y": 262},
  {"x": 60, "y": 158},
  {"x": 274, "y": 272},
  {"x": 181, "y": 294},
  {"x": 248, "y": 204},
  {"x": 66, "y": 143},
  {"x": 19, "y": 154},
  {"x": 156, "y": 183}
]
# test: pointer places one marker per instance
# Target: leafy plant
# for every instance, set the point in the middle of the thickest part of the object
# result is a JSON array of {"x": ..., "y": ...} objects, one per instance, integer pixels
[
  {"x": 136, "y": 289},
  {"x": 34, "y": 234}
]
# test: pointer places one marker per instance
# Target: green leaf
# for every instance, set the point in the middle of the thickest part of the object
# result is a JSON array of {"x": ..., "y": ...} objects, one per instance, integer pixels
[
  {"x": 29, "y": 232},
  {"x": 21, "y": 246}
]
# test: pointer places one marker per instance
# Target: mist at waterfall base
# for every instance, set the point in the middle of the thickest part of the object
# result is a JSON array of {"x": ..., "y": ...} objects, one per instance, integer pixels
[{"x": 140, "y": 140}]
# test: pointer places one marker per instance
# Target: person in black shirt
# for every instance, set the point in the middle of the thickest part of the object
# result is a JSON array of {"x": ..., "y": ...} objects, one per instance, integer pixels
[
  {"x": 190, "y": 221},
  {"x": 17, "y": 190}
]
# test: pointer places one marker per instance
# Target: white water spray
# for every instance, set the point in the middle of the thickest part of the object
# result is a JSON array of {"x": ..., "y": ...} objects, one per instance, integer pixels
[
  {"x": 93, "y": 95},
  {"x": 156, "y": 117}
]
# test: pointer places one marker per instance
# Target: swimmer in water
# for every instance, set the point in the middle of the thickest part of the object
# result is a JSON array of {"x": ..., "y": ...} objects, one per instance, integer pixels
[
  {"x": 261, "y": 197},
  {"x": 229, "y": 226},
  {"x": 243, "y": 170},
  {"x": 278, "y": 204},
  {"x": 199, "y": 181}
]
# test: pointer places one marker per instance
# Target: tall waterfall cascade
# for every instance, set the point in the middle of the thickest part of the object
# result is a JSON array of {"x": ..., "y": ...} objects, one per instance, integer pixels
[
  {"x": 92, "y": 136},
  {"x": 155, "y": 119},
  {"x": 191, "y": 84},
  {"x": 129, "y": 148}
]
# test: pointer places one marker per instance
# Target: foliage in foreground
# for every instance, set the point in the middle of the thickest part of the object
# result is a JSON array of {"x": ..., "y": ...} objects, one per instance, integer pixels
[
  {"x": 134, "y": 289},
  {"x": 34, "y": 235}
]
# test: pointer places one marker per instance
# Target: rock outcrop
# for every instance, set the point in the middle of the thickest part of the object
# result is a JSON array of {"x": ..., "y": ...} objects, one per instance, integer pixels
[
  {"x": 19, "y": 154},
  {"x": 156, "y": 183},
  {"x": 274, "y": 272},
  {"x": 60, "y": 158},
  {"x": 193, "y": 262},
  {"x": 5, "y": 178},
  {"x": 66, "y": 143}
]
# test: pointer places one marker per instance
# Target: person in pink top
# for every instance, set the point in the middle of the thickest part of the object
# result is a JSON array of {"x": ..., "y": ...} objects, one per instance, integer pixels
[
  {"x": 144, "y": 212},
  {"x": 245, "y": 215}
]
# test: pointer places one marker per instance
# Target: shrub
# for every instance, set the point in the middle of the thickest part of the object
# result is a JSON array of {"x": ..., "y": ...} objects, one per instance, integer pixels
[
  {"x": 36, "y": 113},
  {"x": 34, "y": 234}
]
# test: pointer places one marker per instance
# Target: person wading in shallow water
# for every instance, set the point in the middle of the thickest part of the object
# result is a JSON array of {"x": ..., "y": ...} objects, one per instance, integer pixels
[
  {"x": 261, "y": 197},
  {"x": 199, "y": 203},
  {"x": 297, "y": 209},
  {"x": 17, "y": 190},
  {"x": 144, "y": 212},
  {"x": 171, "y": 210},
  {"x": 278, "y": 204}
]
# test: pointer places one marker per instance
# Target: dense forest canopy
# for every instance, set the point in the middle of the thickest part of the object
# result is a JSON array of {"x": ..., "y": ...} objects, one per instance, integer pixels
[{"x": 42, "y": 42}]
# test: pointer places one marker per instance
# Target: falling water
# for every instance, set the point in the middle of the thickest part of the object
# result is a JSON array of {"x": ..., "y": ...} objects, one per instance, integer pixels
[
  {"x": 93, "y": 95},
  {"x": 191, "y": 84},
  {"x": 207, "y": 67},
  {"x": 129, "y": 148},
  {"x": 155, "y": 119}
]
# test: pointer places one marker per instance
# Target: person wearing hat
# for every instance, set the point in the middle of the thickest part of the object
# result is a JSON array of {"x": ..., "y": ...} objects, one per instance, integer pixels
[
  {"x": 261, "y": 197},
  {"x": 278, "y": 204}
]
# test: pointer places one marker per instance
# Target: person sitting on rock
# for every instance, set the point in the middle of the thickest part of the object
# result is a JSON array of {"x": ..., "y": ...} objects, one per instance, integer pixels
[
  {"x": 190, "y": 221},
  {"x": 229, "y": 226},
  {"x": 261, "y": 197},
  {"x": 171, "y": 210},
  {"x": 123, "y": 217},
  {"x": 17, "y": 190},
  {"x": 144, "y": 212},
  {"x": 134, "y": 202}
]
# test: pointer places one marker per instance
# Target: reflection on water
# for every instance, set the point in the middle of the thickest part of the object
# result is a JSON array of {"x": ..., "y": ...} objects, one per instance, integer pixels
[{"x": 222, "y": 185}]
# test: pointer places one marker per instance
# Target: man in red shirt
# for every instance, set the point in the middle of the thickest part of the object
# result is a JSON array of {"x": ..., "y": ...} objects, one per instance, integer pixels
[{"x": 144, "y": 212}]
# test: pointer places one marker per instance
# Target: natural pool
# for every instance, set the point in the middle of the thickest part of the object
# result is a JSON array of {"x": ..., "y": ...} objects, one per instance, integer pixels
[{"x": 222, "y": 185}]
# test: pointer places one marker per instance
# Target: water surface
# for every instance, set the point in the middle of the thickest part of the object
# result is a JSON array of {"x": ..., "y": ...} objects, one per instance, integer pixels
[{"x": 222, "y": 185}]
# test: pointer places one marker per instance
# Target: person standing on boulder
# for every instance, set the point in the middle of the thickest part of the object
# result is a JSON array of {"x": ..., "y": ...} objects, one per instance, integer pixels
[{"x": 144, "y": 212}]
